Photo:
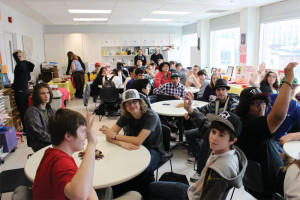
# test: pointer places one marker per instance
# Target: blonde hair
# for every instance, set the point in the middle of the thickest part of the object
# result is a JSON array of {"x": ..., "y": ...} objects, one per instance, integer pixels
[
  {"x": 143, "y": 107},
  {"x": 74, "y": 57}
]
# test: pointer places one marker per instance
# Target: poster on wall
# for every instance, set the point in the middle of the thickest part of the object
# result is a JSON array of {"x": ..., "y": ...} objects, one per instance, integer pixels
[
  {"x": 28, "y": 48},
  {"x": 248, "y": 71},
  {"x": 239, "y": 77}
]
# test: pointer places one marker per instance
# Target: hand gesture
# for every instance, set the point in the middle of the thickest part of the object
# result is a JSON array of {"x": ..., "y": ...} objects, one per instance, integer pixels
[
  {"x": 189, "y": 73},
  {"x": 186, "y": 116},
  {"x": 262, "y": 67},
  {"x": 176, "y": 96},
  {"x": 289, "y": 71},
  {"x": 188, "y": 102},
  {"x": 129, "y": 146},
  {"x": 107, "y": 131},
  {"x": 91, "y": 137}
]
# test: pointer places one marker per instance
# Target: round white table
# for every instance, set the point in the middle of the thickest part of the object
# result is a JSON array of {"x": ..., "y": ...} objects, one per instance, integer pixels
[
  {"x": 292, "y": 149},
  {"x": 117, "y": 166},
  {"x": 192, "y": 89},
  {"x": 168, "y": 108}
]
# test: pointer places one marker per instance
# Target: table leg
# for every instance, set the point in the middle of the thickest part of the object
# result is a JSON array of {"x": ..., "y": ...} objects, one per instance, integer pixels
[{"x": 180, "y": 143}]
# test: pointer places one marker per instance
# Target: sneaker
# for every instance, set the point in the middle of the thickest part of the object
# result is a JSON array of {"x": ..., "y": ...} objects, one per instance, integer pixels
[
  {"x": 195, "y": 177},
  {"x": 191, "y": 160}
]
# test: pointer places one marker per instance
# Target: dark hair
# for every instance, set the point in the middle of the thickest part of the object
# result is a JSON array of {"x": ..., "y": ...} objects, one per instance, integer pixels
[
  {"x": 139, "y": 71},
  {"x": 223, "y": 128},
  {"x": 178, "y": 64},
  {"x": 101, "y": 70},
  {"x": 131, "y": 69},
  {"x": 69, "y": 54},
  {"x": 172, "y": 62},
  {"x": 162, "y": 64},
  {"x": 242, "y": 109},
  {"x": 201, "y": 72},
  {"x": 140, "y": 84},
  {"x": 62, "y": 122},
  {"x": 265, "y": 80},
  {"x": 115, "y": 72},
  {"x": 120, "y": 66},
  {"x": 36, "y": 99},
  {"x": 153, "y": 64},
  {"x": 197, "y": 67}
]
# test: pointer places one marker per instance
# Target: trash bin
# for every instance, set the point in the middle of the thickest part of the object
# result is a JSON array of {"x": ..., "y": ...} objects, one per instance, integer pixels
[{"x": 57, "y": 100}]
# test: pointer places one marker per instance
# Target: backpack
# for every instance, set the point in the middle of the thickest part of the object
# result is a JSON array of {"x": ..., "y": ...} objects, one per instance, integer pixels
[
  {"x": 100, "y": 110},
  {"x": 109, "y": 83}
]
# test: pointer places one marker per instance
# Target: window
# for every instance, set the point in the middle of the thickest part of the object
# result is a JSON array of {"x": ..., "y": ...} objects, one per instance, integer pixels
[
  {"x": 188, "y": 42},
  {"x": 224, "y": 48}
]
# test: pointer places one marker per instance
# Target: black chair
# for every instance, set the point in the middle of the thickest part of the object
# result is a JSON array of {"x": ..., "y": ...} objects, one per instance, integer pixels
[
  {"x": 11, "y": 179},
  {"x": 252, "y": 180},
  {"x": 110, "y": 98},
  {"x": 277, "y": 196},
  {"x": 167, "y": 155}
]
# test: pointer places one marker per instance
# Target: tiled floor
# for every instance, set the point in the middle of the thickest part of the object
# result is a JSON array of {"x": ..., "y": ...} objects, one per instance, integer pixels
[{"x": 179, "y": 161}]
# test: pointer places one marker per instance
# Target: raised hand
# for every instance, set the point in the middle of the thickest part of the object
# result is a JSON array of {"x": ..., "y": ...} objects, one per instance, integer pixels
[
  {"x": 289, "y": 71},
  {"x": 91, "y": 137},
  {"x": 262, "y": 67},
  {"x": 188, "y": 102}
]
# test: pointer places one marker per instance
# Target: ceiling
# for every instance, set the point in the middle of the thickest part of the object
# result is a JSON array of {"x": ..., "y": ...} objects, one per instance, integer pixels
[{"x": 125, "y": 12}]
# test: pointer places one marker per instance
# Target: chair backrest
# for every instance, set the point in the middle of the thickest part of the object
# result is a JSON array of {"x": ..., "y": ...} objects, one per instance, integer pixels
[
  {"x": 252, "y": 179},
  {"x": 166, "y": 131},
  {"x": 109, "y": 94}
]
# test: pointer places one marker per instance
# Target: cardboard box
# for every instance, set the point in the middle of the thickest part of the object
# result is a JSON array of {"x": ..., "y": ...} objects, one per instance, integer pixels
[{"x": 8, "y": 139}]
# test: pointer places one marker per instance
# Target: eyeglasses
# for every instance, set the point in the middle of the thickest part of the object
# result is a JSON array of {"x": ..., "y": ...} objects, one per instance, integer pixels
[
  {"x": 257, "y": 103},
  {"x": 133, "y": 102}
]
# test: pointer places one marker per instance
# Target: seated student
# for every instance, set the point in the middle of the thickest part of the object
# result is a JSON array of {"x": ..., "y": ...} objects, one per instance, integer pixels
[
  {"x": 199, "y": 146},
  {"x": 93, "y": 75},
  {"x": 139, "y": 64},
  {"x": 137, "y": 74},
  {"x": 37, "y": 116},
  {"x": 292, "y": 118},
  {"x": 101, "y": 77},
  {"x": 143, "y": 87},
  {"x": 172, "y": 66},
  {"x": 225, "y": 167},
  {"x": 292, "y": 180},
  {"x": 174, "y": 88},
  {"x": 203, "y": 82},
  {"x": 58, "y": 176},
  {"x": 182, "y": 72},
  {"x": 256, "y": 138},
  {"x": 115, "y": 78},
  {"x": 163, "y": 76},
  {"x": 192, "y": 79},
  {"x": 209, "y": 93},
  {"x": 144, "y": 129},
  {"x": 131, "y": 70}
]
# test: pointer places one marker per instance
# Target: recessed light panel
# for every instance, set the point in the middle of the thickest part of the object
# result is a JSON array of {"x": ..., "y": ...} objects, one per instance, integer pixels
[
  {"x": 89, "y": 19},
  {"x": 88, "y": 11},
  {"x": 170, "y": 12}
]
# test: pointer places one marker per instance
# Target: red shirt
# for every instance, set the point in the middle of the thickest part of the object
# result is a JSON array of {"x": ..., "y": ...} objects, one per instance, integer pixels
[
  {"x": 55, "y": 170},
  {"x": 160, "y": 79}
]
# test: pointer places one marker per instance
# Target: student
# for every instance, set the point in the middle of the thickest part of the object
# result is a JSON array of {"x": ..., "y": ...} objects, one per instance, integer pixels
[
  {"x": 172, "y": 66},
  {"x": 150, "y": 73},
  {"x": 225, "y": 167},
  {"x": 209, "y": 93},
  {"x": 182, "y": 72},
  {"x": 141, "y": 57},
  {"x": 122, "y": 73},
  {"x": 163, "y": 76},
  {"x": 202, "y": 81},
  {"x": 292, "y": 180},
  {"x": 131, "y": 71},
  {"x": 93, "y": 75},
  {"x": 78, "y": 75},
  {"x": 139, "y": 64},
  {"x": 101, "y": 77},
  {"x": 20, "y": 86},
  {"x": 115, "y": 79},
  {"x": 143, "y": 87},
  {"x": 138, "y": 74},
  {"x": 192, "y": 78},
  {"x": 269, "y": 82},
  {"x": 174, "y": 88},
  {"x": 58, "y": 176},
  {"x": 144, "y": 129},
  {"x": 256, "y": 139},
  {"x": 37, "y": 116}
]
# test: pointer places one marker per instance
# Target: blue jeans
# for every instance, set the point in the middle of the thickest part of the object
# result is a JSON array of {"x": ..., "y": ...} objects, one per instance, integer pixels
[{"x": 168, "y": 190}]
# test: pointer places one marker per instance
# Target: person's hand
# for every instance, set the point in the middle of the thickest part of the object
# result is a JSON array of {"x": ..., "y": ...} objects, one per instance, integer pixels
[
  {"x": 186, "y": 116},
  {"x": 107, "y": 131},
  {"x": 193, "y": 76},
  {"x": 286, "y": 138},
  {"x": 289, "y": 71},
  {"x": 129, "y": 146},
  {"x": 262, "y": 67},
  {"x": 188, "y": 73},
  {"x": 188, "y": 102},
  {"x": 212, "y": 97},
  {"x": 176, "y": 96},
  {"x": 91, "y": 137}
]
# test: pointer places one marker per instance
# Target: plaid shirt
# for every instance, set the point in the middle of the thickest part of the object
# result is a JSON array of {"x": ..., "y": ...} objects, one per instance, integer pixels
[{"x": 170, "y": 89}]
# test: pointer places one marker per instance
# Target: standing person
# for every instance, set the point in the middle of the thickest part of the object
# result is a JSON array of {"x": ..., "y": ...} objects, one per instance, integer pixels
[
  {"x": 192, "y": 76},
  {"x": 69, "y": 54},
  {"x": 163, "y": 76},
  {"x": 225, "y": 167},
  {"x": 78, "y": 75},
  {"x": 58, "y": 176},
  {"x": 141, "y": 57},
  {"x": 203, "y": 82},
  {"x": 154, "y": 57},
  {"x": 256, "y": 139},
  {"x": 20, "y": 86},
  {"x": 144, "y": 129},
  {"x": 37, "y": 117},
  {"x": 269, "y": 83},
  {"x": 209, "y": 93},
  {"x": 182, "y": 72}
]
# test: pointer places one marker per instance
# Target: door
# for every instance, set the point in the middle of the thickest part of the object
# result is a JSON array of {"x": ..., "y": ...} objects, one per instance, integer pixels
[{"x": 10, "y": 62}]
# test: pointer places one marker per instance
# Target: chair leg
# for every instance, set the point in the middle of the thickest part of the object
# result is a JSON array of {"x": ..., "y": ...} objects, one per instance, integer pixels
[
  {"x": 156, "y": 174},
  {"x": 232, "y": 193},
  {"x": 171, "y": 165}
]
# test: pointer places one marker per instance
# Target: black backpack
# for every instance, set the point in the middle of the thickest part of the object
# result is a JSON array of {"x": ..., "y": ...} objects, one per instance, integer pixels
[{"x": 109, "y": 83}]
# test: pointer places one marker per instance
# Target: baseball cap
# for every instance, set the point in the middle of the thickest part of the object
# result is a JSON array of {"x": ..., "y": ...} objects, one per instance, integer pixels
[
  {"x": 222, "y": 83},
  {"x": 130, "y": 95},
  {"x": 175, "y": 74},
  {"x": 295, "y": 81},
  {"x": 97, "y": 65},
  {"x": 251, "y": 93},
  {"x": 229, "y": 119}
]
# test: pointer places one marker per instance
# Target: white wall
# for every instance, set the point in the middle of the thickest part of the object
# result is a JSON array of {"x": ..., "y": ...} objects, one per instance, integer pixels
[
  {"x": 23, "y": 25},
  {"x": 189, "y": 29}
]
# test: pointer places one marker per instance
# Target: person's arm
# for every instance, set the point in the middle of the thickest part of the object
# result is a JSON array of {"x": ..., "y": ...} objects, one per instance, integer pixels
[
  {"x": 157, "y": 80},
  {"x": 80, "y": 186},
  {"x": 289, "y": 137},
  {"x": 281, "y": 105},
  {"x": 196, "y": 82},
  {"x": 149, "y": 72},
  {"x": 81, "y": 63},
  {"x": 256, "y": 74},
  {"x": 72, "y": 67},
  {"x": 187, "y": 82},
  {"x": 15, "y": 55}
]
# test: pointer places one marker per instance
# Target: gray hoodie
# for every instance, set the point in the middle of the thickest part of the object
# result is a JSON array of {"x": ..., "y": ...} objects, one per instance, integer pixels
[{"x": 221, "y": 173}]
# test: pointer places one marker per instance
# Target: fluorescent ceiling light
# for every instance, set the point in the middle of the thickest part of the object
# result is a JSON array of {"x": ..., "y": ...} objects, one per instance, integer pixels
[
  {"x": 170, "y": 12},
  {"x": 155, "y": 20},
  {"x": 89, "y": 19},
  {"x": 88, "y": 11}
]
